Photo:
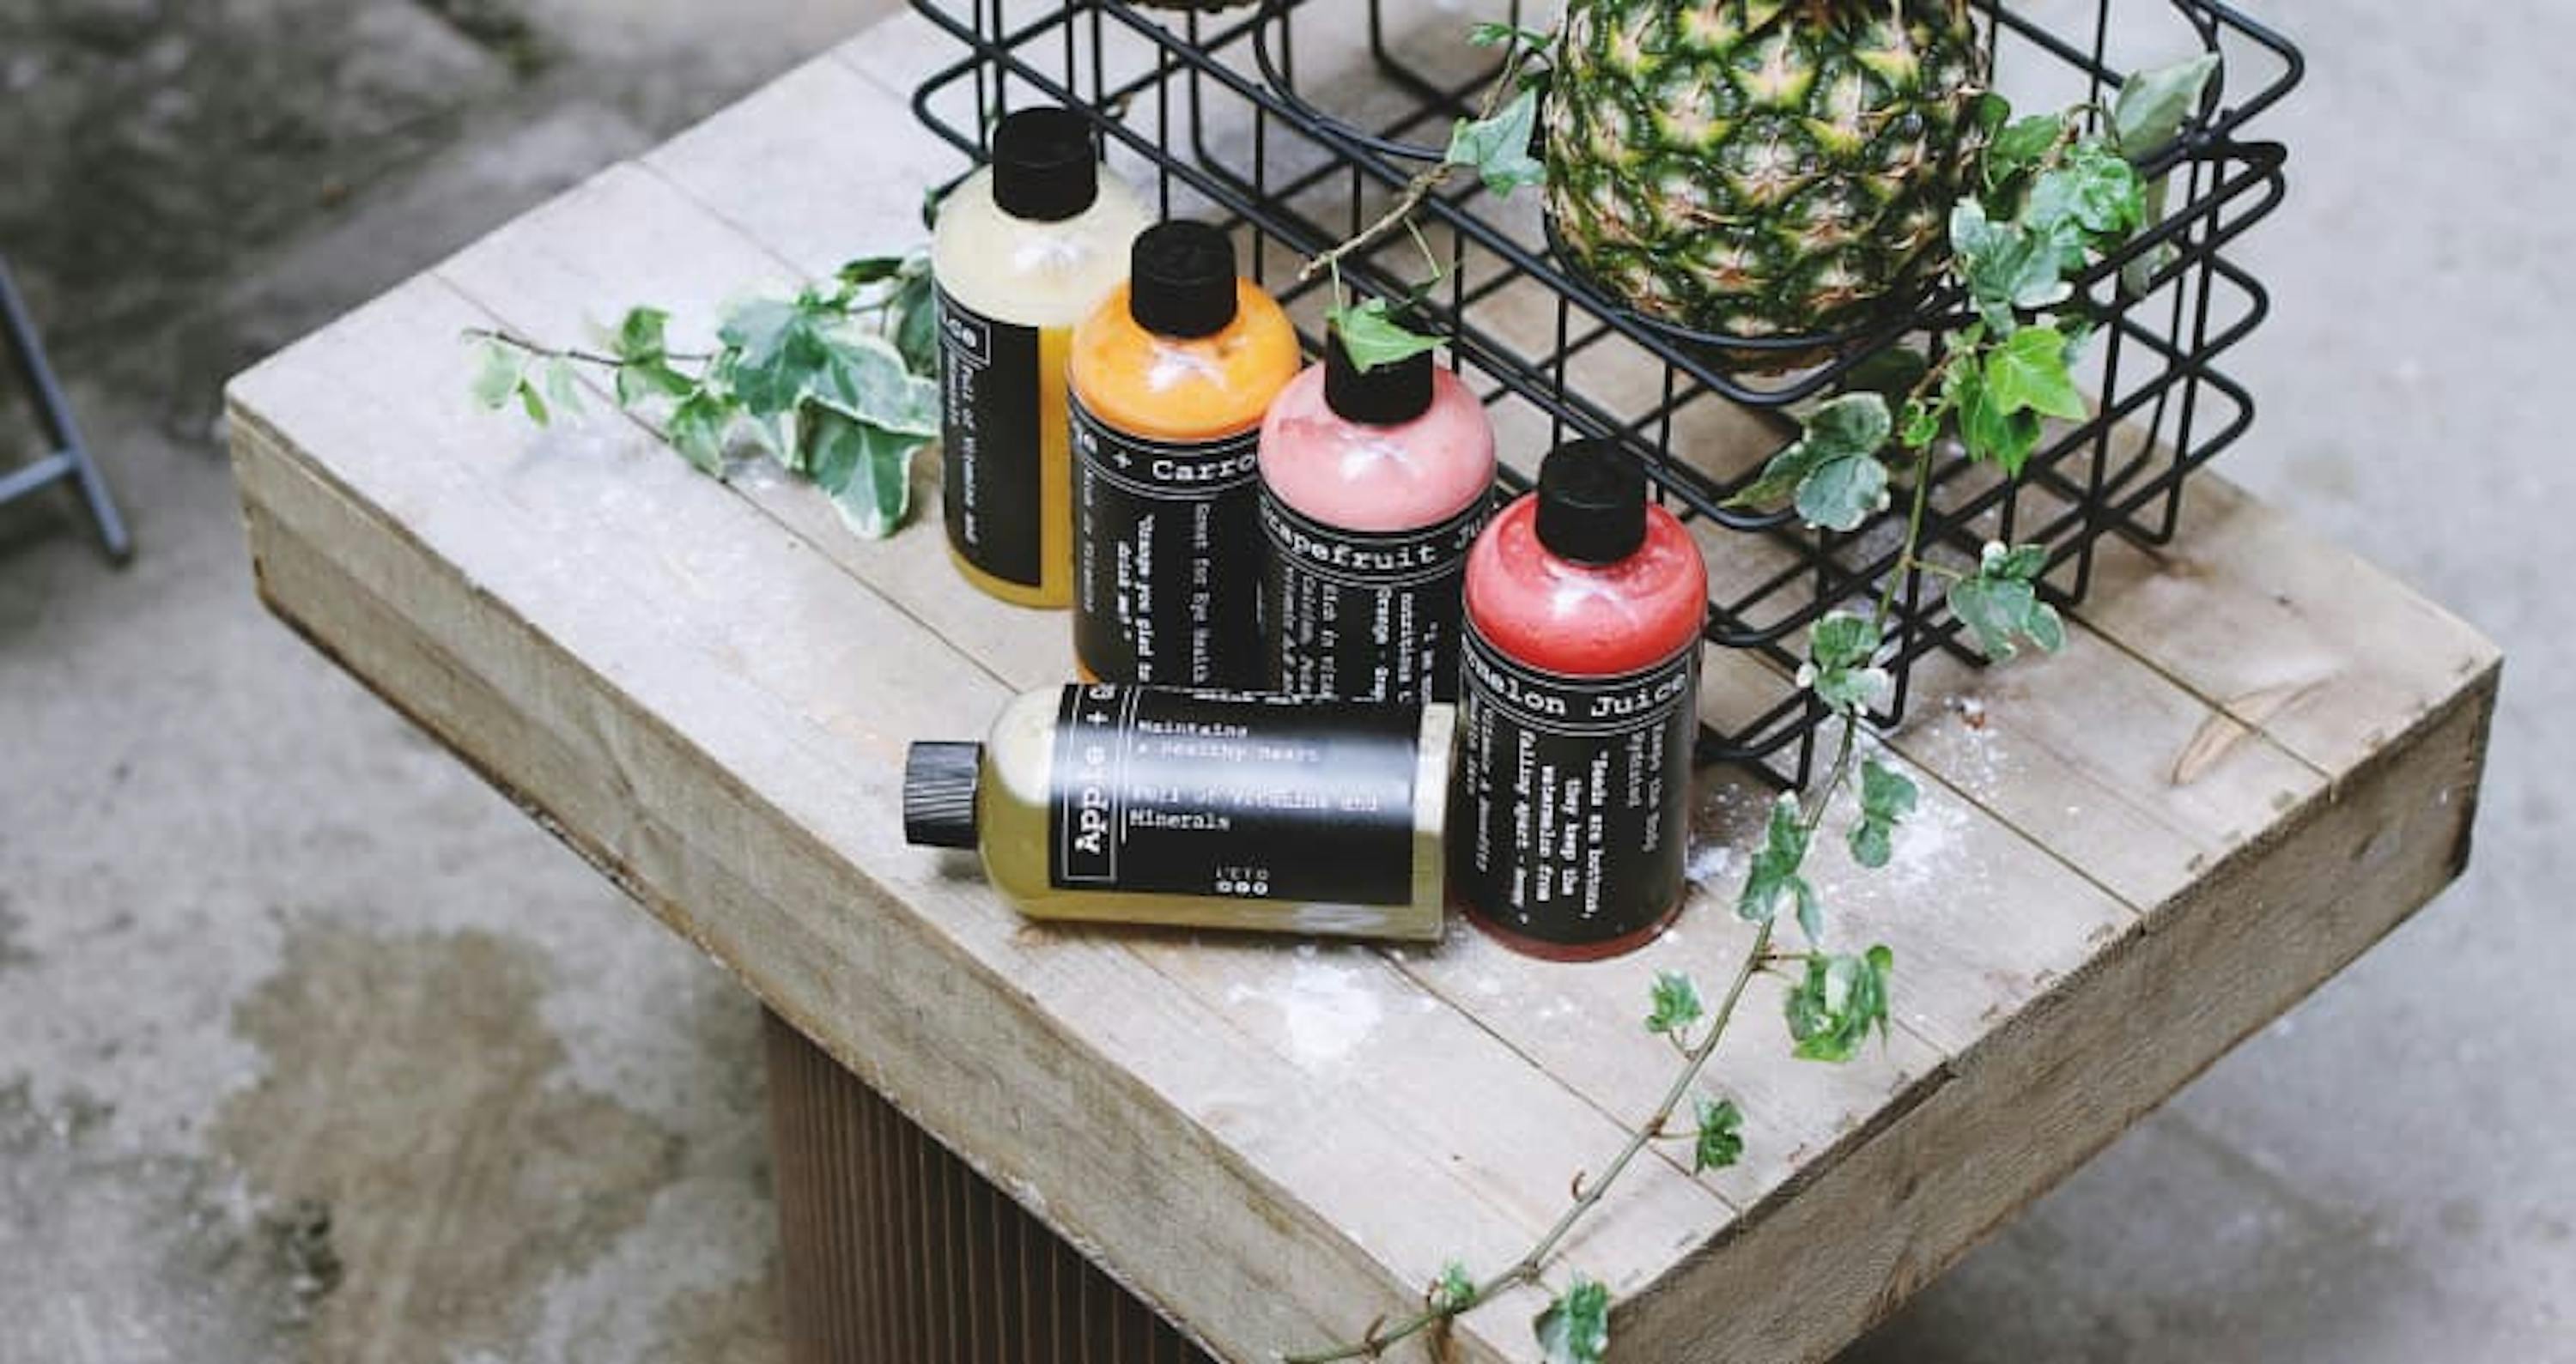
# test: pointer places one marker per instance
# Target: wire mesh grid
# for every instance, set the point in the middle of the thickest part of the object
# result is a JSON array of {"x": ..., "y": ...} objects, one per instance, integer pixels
[{"x": 1298, "y": 122}]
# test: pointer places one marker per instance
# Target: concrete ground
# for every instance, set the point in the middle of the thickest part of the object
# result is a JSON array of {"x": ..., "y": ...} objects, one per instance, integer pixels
[{"x": 313, "y": 1048}]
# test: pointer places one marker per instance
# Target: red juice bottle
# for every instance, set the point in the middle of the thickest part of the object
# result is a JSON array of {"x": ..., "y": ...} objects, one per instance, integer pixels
[{"x": 1578, "y": 710}]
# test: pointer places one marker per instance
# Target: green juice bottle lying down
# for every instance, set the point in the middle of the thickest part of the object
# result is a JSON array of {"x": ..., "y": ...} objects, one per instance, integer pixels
[{"x": 1205, "y": 809}]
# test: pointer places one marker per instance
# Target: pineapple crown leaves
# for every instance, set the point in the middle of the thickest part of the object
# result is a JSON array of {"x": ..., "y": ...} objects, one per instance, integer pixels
[{"x": 835, "y": 382}]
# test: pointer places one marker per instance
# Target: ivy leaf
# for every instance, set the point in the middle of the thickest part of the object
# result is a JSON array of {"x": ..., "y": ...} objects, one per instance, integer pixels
[
  {"x": 780, "y": 347},
  {"x": 640, "y": 335},
  {"x": 2007, "y": 270},
  {"x": 864, "y": 378},
  {"x": 2021, "y": 146},
  {"x": 1774, "y": 877},
  {"x": 1887, "y": 797},
  {"x": 1842, "y": 666},
  {"x": 1842, "y": 493},
  {"x": 1891, "y": 373},
  {"x": 915, "y": 323},
  {"x": 1990, "y": 111},
  {"x": 638, "y": 382},
  {"x": 863, "y": 467},
  {"x": 1454, "y": 1291},
  {"x": 1498, "y": 148},
  {"x": 2149, "y": 113},
  {"x": 1498, "y": 35},
  {"x": 2091, "y": 200},
  {"x": 1832, "y": 470},
  {"x": 1842, "y": 997},
  {"x": 1989, "y": 432},
  {"x": 1372, "y": 337},
  {"x": 1721, "y": 1135},
  {"x": 532, "y": 403},
  {"x": 562, "y": 389},
  {"x": 1575, "y": 1329},
  {"x": 1999, "y": 603},
  {"x": 1676, "y": 1004},
  {"x": 2028, "y": 373},
  {"x": 869, "y": 270},
  {"x": 696, "y": 429},
  {"x": 496, "y": 379},
  {"x": 2152, "y": 104}
]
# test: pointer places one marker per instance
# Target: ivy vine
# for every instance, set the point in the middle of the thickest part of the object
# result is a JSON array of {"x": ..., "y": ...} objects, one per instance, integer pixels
[
  {"x": 836, "y": 382},
  {"x": 2055, "y": 195}
]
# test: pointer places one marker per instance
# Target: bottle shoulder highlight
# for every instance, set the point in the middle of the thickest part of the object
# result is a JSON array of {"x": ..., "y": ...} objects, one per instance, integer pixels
[
  {"x": 1377, "y": 478},
  {"x": 1043, "y": 274},
  {"x": 1586, "y": 620},
  {"x": 1193, "y": 388}
]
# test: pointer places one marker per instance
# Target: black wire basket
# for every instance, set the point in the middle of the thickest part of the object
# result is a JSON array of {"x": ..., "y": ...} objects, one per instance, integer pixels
[{"x": 1298, "y": 122}]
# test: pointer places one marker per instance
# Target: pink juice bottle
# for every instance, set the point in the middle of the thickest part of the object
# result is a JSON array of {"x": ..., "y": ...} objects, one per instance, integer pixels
[
  {"x": 1374, "y": 484},
  {"x": 1578, "y": 711}
]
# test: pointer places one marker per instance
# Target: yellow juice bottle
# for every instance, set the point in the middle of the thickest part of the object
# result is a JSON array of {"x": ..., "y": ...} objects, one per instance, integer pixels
[
  {"x": 1024, "y": 250},
  {"x": 1205, "y": 809}
]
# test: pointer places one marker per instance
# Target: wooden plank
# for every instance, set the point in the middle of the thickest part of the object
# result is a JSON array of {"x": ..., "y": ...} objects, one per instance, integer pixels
[
  {"x": 724, "y": 761},
  {"x": 2289, "y": 634}
]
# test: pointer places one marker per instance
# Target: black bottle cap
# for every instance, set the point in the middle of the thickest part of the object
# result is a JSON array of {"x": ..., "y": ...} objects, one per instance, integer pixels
[
  {"x": 1184, "y": 280},
  {"x": 1044, "y": 166},
  {"x": 1591, "y": 502},
  {"x": 1389, "y": 395},
  {"x": 939, "y": 782}
]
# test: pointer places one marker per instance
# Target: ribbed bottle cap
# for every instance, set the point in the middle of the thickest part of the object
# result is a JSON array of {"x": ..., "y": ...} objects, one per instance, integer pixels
[
  {"x": 1184, "y": 280},
  {"x": 1044, "y": 166},
  {"x": 1389, "y": 395},
  {"x": 1591, "y": 502},
  {"x": 939, "y": 781}
]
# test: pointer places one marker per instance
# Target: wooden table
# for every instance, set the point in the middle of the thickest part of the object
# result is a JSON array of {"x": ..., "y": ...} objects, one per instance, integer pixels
[{"x": 2257, "y": 756}]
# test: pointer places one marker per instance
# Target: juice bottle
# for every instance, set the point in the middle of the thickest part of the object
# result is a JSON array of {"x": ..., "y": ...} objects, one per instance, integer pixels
[
  {"x": 1205, "y": 809},
  {"x": 1024, "y": 250},
  {"x": 1374, "y": 483},
  {"x": 1169, "y": 378},
  {"x": 1578, "y": 710}
]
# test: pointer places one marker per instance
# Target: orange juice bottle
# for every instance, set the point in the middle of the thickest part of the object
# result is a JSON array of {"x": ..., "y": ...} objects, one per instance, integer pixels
[{"x": 1169, "y": 379}]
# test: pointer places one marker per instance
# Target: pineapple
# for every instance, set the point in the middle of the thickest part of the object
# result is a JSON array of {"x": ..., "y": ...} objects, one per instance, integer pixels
[{"x": 1760, "y": 168}]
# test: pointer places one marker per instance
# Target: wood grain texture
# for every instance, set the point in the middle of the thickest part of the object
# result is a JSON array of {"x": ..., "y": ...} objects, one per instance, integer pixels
[{"x": 2257, "y": 755}]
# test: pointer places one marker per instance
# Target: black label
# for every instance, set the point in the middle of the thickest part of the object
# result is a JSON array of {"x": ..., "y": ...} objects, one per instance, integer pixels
[
  {"x": 1168, "y": 562},
  {"x": 992, "y": 438},
  {"x": 1233, "y": 794},
  {"x": 1571, "y": 812},
  {"x": 1364, "y": 614}
]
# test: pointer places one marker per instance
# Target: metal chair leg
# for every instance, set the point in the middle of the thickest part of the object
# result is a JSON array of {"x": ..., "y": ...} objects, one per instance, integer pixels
[{"x": 71, "y": 456}]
